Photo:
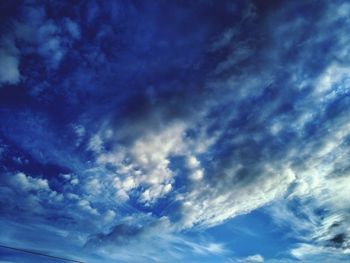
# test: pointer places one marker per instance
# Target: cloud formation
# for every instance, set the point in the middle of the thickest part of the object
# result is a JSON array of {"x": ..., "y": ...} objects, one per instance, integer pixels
[{"x": 131, "y": 124}]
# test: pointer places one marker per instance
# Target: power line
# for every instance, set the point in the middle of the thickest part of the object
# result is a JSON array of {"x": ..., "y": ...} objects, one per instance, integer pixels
[{"x": 38, "y": 253}]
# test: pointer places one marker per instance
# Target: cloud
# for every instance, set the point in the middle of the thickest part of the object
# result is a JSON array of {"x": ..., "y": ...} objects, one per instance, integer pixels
[
  {"x": 147, "y": 165},
  {"x": 307, "y": 251},
  {"x": 208, "y": 205},
  {"x": 32, "y": 192},
  {"x": 9, "y": 61},
  {"x": 86, "y": 206},
  {"x": 34, "y": 33},
  {"x": 254, "y": 126},
  {"x": 143, "y": 241},
  {"x": 9, "y": 72},
  {"x": 229, "y": 116},
  {"x": 109, "y": 216},
  {"x": 224, "y": 40},
  {"x": 73, "y": 28},
  {"x": 28, "y": 183},
  {"x": 124, "y": 234},
  {"x": 252, "y": 259},
  {"x": 120, "y": 235}
]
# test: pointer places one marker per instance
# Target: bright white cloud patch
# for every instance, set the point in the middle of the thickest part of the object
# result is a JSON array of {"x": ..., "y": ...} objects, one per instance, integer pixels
[{"x": 146, "y": 163}]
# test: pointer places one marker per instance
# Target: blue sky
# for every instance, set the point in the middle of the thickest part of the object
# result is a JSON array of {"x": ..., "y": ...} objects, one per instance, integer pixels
[{"x": 175, "y": 131}]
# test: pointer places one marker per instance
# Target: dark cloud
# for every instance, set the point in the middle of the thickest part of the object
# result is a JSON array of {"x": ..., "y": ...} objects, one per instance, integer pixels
[
  {"x": 124, "y": 234},
  {"x": 121, "y": 234},
  {"x": 338, "y": 240}
]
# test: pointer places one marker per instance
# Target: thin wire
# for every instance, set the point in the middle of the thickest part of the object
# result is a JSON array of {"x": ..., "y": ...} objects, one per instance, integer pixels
[{"x": 38, "y": 253}]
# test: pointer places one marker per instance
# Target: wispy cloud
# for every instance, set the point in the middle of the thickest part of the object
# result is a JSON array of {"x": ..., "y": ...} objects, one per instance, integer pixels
[{"x": 137, "y": 129}]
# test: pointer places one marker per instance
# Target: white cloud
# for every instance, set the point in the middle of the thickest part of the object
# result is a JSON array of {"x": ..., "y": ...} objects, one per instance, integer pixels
[
  {"x": 86, "y": 206},
  {"x": 129, "y": 183},
  {"x": 334, "y": 81},
  {"x": 93, "y": 186},
  {"x": 109, "y": 216},
  {"x": 147, "y": 163},
  {"x": 34, "y": 192},
  {"x": 72, "y": 196},
  {"x": 74, "y": 181},
  {"x": 252, "y": 259},
  {"x": 197, "y": 175},
  {"x": 306, "y": 250},
  {"x": 28, "y": 183},
  {"x": 192, "y": 162},
  {"x": 152, "y": 151},
  {"x": 154, "y": 192},
  {"x": 95, "y": 144}
]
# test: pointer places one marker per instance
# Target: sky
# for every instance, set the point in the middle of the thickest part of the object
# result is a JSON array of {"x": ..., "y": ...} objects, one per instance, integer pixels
[{"x": 175, "y": 131}]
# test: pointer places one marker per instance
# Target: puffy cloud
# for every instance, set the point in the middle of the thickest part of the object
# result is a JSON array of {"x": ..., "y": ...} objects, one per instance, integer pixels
[
  {"x": 192, "y": 162},
  {"x": 93, "y": 186},
  {"x": 109, "y": 216},
  {"x": 74, "y": 181},
  {"x": 95, "y": 143},
  {"x": 33, "y": 192},
  {"x": 197, "y": 172},
  {"x": 146, "y": 163},
  {"x": 86, "y": 206},
  {"x": 154, "y": 192},
  {"x": 28, "y": 183}
]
